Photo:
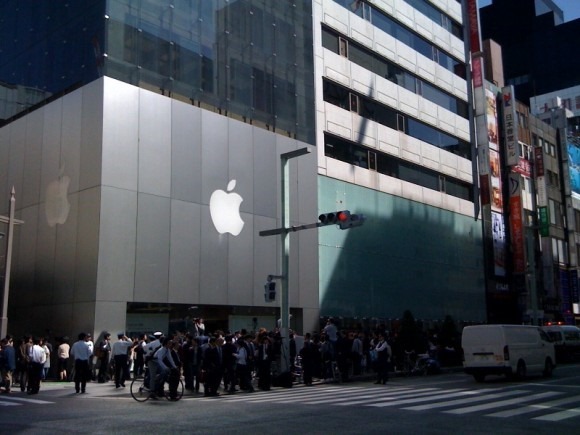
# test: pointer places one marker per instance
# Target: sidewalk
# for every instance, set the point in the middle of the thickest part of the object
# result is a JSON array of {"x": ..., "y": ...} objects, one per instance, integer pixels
[{"x": 107, "y": 389}]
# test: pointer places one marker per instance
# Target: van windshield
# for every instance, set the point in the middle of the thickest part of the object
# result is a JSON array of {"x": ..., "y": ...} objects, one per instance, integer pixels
[{"x": 572, "y": 335}]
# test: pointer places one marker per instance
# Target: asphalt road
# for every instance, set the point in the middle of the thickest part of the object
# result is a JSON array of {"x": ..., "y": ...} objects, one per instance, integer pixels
[{"x": 442, "y": 404}]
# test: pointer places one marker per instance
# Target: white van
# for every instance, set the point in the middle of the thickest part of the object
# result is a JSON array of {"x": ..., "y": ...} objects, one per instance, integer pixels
[
  {"x": 506, "y": 350},
  {"x": 566, "y": 339}
]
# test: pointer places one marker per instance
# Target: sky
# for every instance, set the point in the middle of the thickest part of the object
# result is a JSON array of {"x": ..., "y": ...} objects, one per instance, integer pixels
[{"x": 571, "y": 8}]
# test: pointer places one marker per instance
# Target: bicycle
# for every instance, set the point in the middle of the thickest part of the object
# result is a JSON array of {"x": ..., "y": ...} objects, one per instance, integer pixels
[{"x": 141, "y": 393}]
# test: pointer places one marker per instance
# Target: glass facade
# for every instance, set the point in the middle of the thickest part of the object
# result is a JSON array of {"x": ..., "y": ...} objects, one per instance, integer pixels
[
  {"x": 250, "y": 59},
  {"x": 49, "y": 52},
  {"x": 407, "y": 255}
]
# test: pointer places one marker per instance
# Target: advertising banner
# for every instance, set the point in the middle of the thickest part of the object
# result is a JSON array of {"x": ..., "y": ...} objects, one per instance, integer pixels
[
  {"x": 510, "y": 123},
  {"x": 492, "y": 127},
  {"x": 516, "y": 223},
  {"x": 496, "y": 191}
]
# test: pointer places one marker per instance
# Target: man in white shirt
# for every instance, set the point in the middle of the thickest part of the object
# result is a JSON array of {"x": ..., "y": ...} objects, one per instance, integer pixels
[
  {"x": 37, "y": 359},
  {"x": 148, "y": 352},
  {"x": 120, "y": 351},
  {"x": 164, "y": 363},
  {"x": 91, "y": 344},
  {"x": 82, "y": 353}
]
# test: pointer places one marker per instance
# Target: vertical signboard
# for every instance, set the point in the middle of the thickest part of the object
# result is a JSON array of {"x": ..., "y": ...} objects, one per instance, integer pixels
[
  {"x": 565, "y": 292},
  {"x": 510, "y": 123},
  {"x": 516, "y": 222},
  {"x": 544, "y": 221},
  {"x": 498, "y": 229},
  {"x": 473, "y": 26}
]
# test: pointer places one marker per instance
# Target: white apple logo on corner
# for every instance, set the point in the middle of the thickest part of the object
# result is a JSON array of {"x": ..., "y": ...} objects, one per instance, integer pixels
[
  {"x": 56, "y": 205},
  {"x": 225, "y": 210}
]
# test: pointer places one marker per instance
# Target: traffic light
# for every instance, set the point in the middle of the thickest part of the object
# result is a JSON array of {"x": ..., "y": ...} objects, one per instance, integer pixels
[
  {"x": 270, "y": 291},
  {"x": 344, "y": 219},
  {"x": 354, "y": 220},
  {"x": 334, "y": 217}
]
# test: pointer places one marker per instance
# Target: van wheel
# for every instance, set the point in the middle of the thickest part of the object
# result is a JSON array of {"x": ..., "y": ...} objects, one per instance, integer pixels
[
  {"x": 521, "y": 370},
  {"x": 479, "y": 377},
  {"x": 548, "y": 368}
]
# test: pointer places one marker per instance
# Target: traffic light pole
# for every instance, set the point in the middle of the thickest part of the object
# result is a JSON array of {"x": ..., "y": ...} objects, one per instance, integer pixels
[
  {"x": 285, "y": 243},
  {"x": 343, "y": 218}
]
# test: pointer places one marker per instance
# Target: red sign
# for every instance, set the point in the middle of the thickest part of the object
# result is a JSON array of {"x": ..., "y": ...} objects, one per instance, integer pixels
[
  {"x": 517, "y": 228},
  {"x": 473, "y": 26},
  {"x": 477, "y": 73}
]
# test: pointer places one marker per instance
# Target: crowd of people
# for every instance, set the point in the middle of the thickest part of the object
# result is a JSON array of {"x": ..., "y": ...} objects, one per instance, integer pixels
[{"x": 231, "y": 361}]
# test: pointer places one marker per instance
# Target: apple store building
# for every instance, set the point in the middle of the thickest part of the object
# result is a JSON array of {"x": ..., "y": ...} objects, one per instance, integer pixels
[{"x": 143, "y": 142}]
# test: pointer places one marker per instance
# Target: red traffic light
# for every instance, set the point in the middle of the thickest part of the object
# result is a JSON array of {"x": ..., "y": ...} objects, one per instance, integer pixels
[{"x": 343, "y": 216}]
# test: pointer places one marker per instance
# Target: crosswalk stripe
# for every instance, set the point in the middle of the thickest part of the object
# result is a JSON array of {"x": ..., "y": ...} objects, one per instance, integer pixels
[
  {"x": 558, "y": 416},
  {"x": 356, "y": 398},
  {"x": 286, "y": 395},
  {"x": 289, "y": 396},
  {"x": 414, "y": 399},
  {"x": 411, "y": 393},
  {"x": 325, "y": 394},
  {"x": 480, "y": 398},
  {"x": 501, "y": 403},
  {"x": 24, "y": 399},
  {"x": 544, "y": 406},
  {"x": 19, "y": 401}
]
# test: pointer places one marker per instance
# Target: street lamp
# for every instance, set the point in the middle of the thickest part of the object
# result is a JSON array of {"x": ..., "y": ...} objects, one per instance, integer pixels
[{"x": 8, "y": 261}]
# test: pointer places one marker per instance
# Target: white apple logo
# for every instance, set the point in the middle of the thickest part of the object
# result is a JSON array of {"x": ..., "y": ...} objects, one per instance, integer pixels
[
  {"x": 225, "y": 210},
  {"x": 57, "y": 206}
]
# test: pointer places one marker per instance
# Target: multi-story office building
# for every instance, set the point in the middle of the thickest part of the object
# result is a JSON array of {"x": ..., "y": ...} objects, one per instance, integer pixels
[
  {"x": 154, "y": 106},
  {"x": 537, "y": 44}
]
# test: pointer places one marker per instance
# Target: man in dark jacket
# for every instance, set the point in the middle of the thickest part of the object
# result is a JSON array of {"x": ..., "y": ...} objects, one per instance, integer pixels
[
  {"x": 229, "y": 349},
  {"x": 212, "y": 368},
  {"x": 104, "y": 352},
  {"x": 264, "y": 362},
  {"x": 7, "y": 362}
]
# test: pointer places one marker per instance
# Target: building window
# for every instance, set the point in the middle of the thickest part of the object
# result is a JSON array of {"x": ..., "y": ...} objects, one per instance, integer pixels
[
  {"x": 353, "y": 103},
  {"x": 553, "y": 208},
  {"x": 343, "y": 47},
  {"x": 358, "y": 155}
]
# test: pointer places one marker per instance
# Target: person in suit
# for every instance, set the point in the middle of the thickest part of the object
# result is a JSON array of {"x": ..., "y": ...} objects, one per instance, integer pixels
[
  {"x": 212, "y": 368},
  {"x": 263, "y": 363}
]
